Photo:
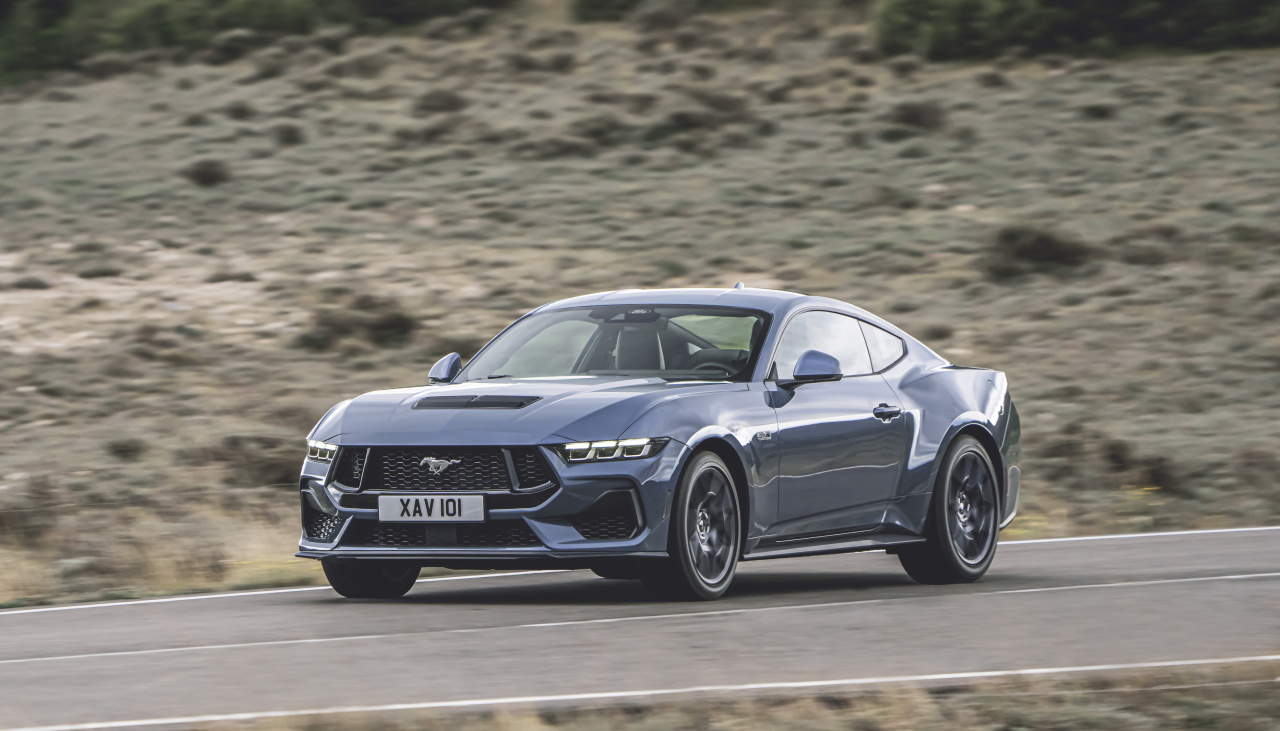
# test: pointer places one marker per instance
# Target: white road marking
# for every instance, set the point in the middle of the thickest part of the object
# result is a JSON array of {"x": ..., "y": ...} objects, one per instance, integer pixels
[
  {"x": 853, "y": 602},
  {"x": 616, "y": 620},
  {"x": 256, "y": 592},
  {"x": 192, "y": 648},
  {"x": 624, "y": 694},
  {"x": 262, "y": 592},
  {"x": 1123, "y": 536},
  {"x": 1150, "y": 582}
]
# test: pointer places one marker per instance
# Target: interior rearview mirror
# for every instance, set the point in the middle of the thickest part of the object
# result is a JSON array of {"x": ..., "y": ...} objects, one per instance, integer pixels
[
  {"x": 446, "y": 369},
  {"x": 814, "y": 366}
]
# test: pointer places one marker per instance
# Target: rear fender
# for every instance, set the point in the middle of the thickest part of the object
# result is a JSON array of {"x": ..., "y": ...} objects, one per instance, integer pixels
[{"x": 983, "y": 408}]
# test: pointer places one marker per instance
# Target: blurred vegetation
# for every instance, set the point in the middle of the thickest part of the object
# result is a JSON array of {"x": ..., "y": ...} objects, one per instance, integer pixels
[
  {"x": 612, "y": 10},
  {"x": 953, "y": 29},
  {"x": 1239, "y": 698},
  {"x": 40, "y": 35}
]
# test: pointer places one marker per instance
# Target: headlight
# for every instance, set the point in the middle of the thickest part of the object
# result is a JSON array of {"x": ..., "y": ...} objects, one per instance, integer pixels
[
  {"x": 321, "y": 451},
  {"x": 624, "y": 449}
]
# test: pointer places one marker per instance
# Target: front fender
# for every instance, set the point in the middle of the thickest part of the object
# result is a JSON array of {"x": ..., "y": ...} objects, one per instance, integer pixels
[{"x": 736, "y": 424}]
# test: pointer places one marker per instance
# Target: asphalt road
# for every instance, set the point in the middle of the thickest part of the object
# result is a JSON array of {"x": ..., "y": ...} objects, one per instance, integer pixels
[{"x": 546, "y": 637}]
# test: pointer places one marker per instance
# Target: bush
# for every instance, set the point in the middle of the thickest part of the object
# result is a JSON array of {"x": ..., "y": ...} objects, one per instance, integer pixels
[
  {"x": 950, "y": 29},
  {"x": 1020, "y": 249},
  {"x": 590, "y": 11},
  {"x": 38, "y": 35}
]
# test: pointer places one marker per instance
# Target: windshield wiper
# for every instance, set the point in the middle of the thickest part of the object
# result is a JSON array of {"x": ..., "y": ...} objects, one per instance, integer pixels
[{"x": 499, "y": 375}]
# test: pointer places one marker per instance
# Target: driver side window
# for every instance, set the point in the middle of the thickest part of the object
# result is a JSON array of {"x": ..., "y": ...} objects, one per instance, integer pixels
[{"x": 832, "y": 333}]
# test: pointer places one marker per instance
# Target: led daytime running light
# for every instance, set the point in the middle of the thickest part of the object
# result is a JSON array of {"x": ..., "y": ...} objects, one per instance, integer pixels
[
  {"x": 618, "y": 449},
  {"x": 321, "y": 451}
]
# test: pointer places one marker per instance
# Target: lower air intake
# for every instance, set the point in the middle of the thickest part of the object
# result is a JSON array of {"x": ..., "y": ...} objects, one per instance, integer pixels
[
  {"x": 318, "y": 525},
  {"x": 611, "y": 518},
  {"x": 494, "y": 534}
]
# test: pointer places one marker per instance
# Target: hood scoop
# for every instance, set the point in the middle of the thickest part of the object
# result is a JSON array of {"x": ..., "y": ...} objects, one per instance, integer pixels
[{"x": 475, "y": 402}]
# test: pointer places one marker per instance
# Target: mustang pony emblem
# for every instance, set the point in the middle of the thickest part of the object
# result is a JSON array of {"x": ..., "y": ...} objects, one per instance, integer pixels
[{"x": 436, "y": 466}]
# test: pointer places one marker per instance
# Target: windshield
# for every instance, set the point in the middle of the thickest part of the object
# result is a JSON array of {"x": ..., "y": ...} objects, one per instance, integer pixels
[{"x": 671, "y": 342}]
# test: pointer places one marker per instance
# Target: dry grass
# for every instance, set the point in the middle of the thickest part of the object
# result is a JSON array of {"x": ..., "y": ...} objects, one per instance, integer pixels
[
  {"x": 1240, "y": 699},
  {"x": 165, "y": 346}
]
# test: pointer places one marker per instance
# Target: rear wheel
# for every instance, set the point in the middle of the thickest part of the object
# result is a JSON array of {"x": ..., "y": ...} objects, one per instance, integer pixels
[
  {"x": 705, "y": 538},
  {"x": 370, "y": 579},
  {"x": 963, "y": 525}
]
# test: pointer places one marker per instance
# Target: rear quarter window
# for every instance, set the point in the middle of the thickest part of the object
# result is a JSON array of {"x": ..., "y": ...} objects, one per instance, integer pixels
[{"x": 886, "y": 348}]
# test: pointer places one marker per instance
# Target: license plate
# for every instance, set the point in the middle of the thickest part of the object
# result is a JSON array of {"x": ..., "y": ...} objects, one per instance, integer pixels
[{"x": 431, "y": 508}]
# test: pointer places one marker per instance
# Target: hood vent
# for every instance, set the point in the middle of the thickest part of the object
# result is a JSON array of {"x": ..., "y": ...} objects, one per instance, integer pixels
[{"x": 476, "y": 402}]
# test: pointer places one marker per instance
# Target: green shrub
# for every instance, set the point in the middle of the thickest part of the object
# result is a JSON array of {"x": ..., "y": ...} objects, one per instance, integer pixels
[
  {"x": 591, "y": 11},
  {"x": 949, "y": 29},
  {"x": 412, "y": 11},
  {"x": 38, "y": 35}
]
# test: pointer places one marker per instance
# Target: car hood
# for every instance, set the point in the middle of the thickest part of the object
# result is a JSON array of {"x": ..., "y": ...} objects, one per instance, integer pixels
[{"x": 568, "y": 409}]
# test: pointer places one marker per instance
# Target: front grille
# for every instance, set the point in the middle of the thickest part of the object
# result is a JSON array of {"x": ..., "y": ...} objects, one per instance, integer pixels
[
  {"x": 350, "y": 466},
  {"x": 497, "y": 534},
  {"x": 403, "y": 468},
  {"x": 492, "y": 501},
  {"x": 319, "y": 526},
  {"x": 467, "y": 468},
  {"x": 612, "y": 518},
  {"x": 531, "y": 467}
]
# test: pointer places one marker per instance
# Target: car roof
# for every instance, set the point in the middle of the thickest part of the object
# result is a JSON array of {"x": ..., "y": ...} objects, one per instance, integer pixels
[
  {"x": 773, "y": 301},
  {"x": 768, "y": 300}
]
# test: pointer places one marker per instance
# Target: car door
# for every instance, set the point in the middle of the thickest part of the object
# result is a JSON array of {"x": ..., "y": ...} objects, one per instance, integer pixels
[{"x": 841, "y": 444}]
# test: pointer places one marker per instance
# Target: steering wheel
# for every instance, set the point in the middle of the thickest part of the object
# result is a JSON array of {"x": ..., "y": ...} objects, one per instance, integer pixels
[{"x": 717, "y": 366}]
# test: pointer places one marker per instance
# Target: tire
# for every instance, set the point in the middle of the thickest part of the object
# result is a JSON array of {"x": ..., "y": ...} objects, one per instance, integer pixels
[
  {"x": 963, "y": 524},
  {"x": 370, "y": 579},
  {"x": 705, "y": 535}
]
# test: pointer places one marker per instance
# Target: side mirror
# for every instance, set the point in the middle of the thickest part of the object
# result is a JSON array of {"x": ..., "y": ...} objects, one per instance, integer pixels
[
  {"x": 446, "y": 369},
  {"x": 814, "y": 366}
]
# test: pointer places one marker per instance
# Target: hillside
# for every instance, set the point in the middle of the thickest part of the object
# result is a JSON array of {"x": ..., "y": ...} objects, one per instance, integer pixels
[{"x": 197, "y": 260}]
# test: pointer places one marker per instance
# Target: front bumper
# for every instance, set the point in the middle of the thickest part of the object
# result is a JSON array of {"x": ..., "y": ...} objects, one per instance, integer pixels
[{"x": 581, "y": 518}]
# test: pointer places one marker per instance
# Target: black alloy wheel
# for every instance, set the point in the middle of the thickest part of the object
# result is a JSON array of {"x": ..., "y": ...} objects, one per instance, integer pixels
[
  {"x": 964, "y": 518},
  {"x": 705, "y": 535}
]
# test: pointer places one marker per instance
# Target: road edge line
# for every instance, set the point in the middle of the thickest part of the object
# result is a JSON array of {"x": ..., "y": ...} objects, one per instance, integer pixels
[
  {"x": 1124, "y": 536},
  {"x": 251, "y": 592}
]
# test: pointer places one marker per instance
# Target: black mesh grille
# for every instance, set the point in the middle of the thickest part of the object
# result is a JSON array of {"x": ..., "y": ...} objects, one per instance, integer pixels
[
  {"x": 492, "y": 501},
  {"x": 497, "y": 534},
  {"x": 319, "y": 526},
  {"x": 373, "y": 533},
  {"x": 350, "y": 466},
  {"x": 403, "y": 468},
  {"x": 531, "y": 467},
  {"x": 613, "y": 518}
]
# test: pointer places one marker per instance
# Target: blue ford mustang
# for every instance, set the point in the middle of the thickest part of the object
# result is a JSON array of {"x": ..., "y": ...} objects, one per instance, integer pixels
[{"x": 664, "y": 436}]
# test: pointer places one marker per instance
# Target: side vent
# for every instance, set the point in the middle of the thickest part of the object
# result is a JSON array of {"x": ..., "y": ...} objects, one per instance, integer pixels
[{"x": 476, "y": 402}]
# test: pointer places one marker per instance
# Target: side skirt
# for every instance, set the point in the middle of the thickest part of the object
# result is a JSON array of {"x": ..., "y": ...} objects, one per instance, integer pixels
[{"x": 865, "y": 542}]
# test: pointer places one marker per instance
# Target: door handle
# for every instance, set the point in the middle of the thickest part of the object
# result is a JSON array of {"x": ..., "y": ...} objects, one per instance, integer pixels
[{"x": 886, "y": 413}]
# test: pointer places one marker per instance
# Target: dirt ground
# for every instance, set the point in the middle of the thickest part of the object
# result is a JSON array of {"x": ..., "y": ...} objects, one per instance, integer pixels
[{"x": 196, "y": 261}]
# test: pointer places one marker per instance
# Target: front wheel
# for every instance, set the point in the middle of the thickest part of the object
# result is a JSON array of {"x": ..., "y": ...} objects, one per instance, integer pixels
[
  {"x": 370, "y": 579},
  {"x": 705, "y": 541},
  {"x": 963, "y": 524}
]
